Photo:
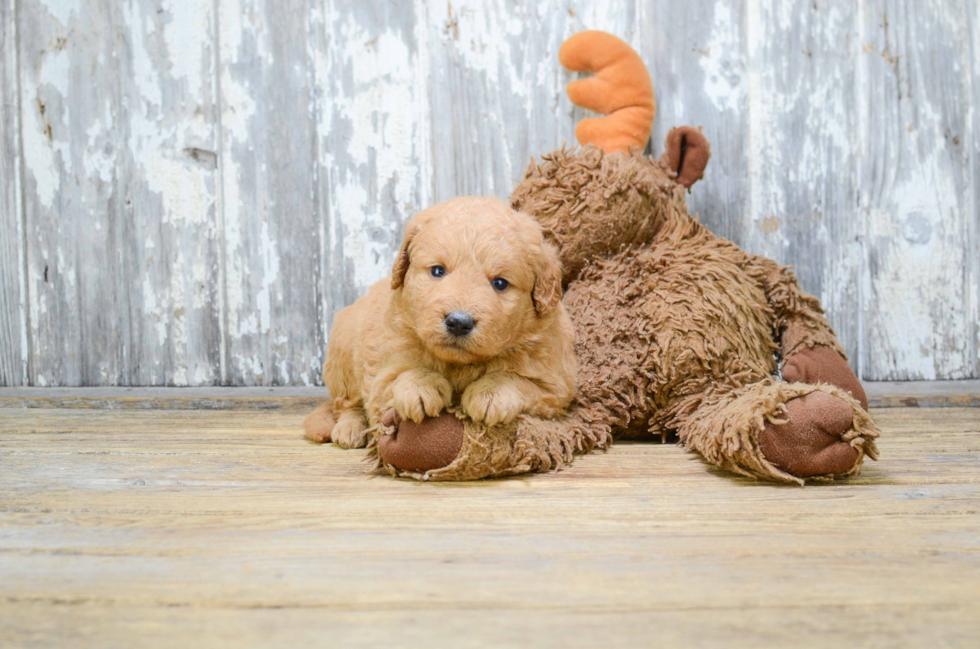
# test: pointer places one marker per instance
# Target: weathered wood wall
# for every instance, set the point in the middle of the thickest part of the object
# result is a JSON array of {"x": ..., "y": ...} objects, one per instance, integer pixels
[{"x": 190, "y": 190}]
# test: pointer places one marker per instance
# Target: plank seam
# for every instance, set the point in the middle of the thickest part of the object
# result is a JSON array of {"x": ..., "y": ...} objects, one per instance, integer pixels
[
  {"x": 422, "y": 67},
  {"x": 220, "y": 199},
  {"x": 26, "y": 339},
  {"x": 860, "y": 80},
  {"x": 973, "y": 267},
  {"x": 323, "y": 255}
]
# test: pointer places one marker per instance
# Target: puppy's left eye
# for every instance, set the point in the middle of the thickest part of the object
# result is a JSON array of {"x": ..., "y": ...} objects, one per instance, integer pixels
[{"x": 500, "y": 283}]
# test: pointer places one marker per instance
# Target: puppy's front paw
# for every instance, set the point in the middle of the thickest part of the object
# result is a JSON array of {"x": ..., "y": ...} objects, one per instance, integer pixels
[
  {"x": 492, "y": 403},
  {"x": 351, "y": 430},
  {"x": 420, "y": 393}
]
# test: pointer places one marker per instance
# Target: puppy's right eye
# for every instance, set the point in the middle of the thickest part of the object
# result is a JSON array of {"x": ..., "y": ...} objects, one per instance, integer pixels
[{"x": 437, "y": 271}]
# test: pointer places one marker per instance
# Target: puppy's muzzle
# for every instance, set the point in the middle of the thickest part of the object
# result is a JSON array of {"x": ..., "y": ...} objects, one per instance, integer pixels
[{"x": 459, "y": 323}]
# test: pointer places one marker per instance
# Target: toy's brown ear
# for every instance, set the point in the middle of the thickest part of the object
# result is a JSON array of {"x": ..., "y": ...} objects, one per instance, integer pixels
[
  {"x": 403, "y": 260},
  {"x": 687, "y": 152},
  {"x": 546, "y": 293}
]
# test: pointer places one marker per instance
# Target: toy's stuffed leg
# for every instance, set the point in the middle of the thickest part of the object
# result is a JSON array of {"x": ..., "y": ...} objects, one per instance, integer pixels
[
  {"x": 451, "y": 448},
  {"x": 808, "y": 345},
  {"x": 779, "y": 431}
]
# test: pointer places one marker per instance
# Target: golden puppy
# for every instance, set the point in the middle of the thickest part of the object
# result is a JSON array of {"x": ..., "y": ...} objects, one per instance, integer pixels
[{"x": 471, "y": 314}]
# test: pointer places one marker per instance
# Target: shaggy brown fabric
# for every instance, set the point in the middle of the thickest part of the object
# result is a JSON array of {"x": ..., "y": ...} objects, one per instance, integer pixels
[
  {"x": 677, "y": 331},
  {"x": 593, "y": 205},
  {"x": 824, "y": 365},
  {"x": 687, "y": 154},
  {"x": 800, "y": 322}
]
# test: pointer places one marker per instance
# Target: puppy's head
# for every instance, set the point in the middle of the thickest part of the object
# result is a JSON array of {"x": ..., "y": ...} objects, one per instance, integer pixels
[{"x": 475, "y": 278}]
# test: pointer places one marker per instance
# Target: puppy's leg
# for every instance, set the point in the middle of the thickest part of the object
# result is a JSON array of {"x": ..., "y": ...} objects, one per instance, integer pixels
[
  {"x": 499, "y": 397},
  {"x": 351, "y": 429},
  {"x": 320, "y": 423},
  {"x": 418, "y": 393},
  {"x": 347, "y": 422}
]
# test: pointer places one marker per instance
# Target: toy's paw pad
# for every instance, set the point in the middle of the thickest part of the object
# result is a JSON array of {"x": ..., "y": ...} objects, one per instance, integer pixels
[
  {"x": 432, "y": 444},
  {"x": 810, "y": 444},
  {"x": 319, "y": 424},
  {"x": 824, "y": 365}
]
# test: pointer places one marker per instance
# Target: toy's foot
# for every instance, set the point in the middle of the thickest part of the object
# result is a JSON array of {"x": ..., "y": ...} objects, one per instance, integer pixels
[
  {"x": 824, "y": 365},
  {"x": 432, "y": 444},
  {"x": 810, "y": 443}
]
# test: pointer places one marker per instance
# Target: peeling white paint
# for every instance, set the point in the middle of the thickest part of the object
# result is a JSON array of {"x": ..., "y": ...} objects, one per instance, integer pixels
[
  {"x": 188, "y": 58},
  {"x": 270, "y": 274},
  {"x": 62, "y": 10},
  {"x": 722, "y": 76},
  {"x": 41, "y": 137},
  {"x": 382, "y": 120},
  {"x": 920, "y": 254},
  {"x": 186, "y": 198},
  {"x": 145, "y": 74},
  {"x": 379, "y": 154},
  {"x": 39, "y": 157},
  {"x": 765, "y": 198}
]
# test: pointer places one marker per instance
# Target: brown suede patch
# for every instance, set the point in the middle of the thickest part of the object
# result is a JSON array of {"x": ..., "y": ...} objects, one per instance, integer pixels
[
  {"x": 824, "y": 365},
  {"x": 810, "y": 443},
  {"x": 433, "y": 444},
  {"x": 688, "y": 152}
]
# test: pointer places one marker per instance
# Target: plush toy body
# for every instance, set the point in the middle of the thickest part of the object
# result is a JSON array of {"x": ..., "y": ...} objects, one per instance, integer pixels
[{"x": 677, "y": 331}]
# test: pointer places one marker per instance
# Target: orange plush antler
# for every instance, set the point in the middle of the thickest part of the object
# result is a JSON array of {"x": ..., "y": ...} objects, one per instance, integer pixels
[{"x": 621, "y": 90}]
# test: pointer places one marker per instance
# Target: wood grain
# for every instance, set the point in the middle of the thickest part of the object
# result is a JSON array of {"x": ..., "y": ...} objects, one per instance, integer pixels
[
  {"x": 802, "y": 151},
  {"x": 373, "y": 145},
  {"x": 190, "y": 194},
  {"x": 13, "y": 312},
  {"x": 119, "y": 171},
  {"x": 497, "y": 94},
  {"x": 169, "y": 527},
  {"x": 918, "y": 195},
  {"x": 882, "y": 394},
  {"x": 972, "y": 148},
  {"x": 271, "y": 218}
]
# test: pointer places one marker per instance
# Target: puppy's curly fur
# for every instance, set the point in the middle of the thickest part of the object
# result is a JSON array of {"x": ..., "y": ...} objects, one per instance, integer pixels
[{"x": 393, "y": 347}]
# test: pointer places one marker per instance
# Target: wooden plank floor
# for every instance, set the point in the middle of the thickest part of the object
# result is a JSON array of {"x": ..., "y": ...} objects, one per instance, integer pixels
[{"x": 195, "y": 528}]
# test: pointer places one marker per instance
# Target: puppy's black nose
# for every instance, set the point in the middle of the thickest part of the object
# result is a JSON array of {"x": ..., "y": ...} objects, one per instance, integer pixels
[{"x": 459, "y": 323}]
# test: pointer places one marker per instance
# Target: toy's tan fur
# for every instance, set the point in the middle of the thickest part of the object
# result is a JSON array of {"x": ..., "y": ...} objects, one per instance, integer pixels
[{"x": 391, "y": 347}]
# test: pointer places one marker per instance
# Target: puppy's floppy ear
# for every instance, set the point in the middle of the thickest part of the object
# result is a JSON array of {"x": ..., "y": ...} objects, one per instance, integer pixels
[
  {"x": 546, "y": 293},
  {"x": 412, "y": 229},
  {"x": 403, "y": 260}
]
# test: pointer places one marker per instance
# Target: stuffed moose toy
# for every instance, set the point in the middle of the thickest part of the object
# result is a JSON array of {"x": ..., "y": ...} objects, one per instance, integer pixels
[{"x": 677, "y": 332}]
